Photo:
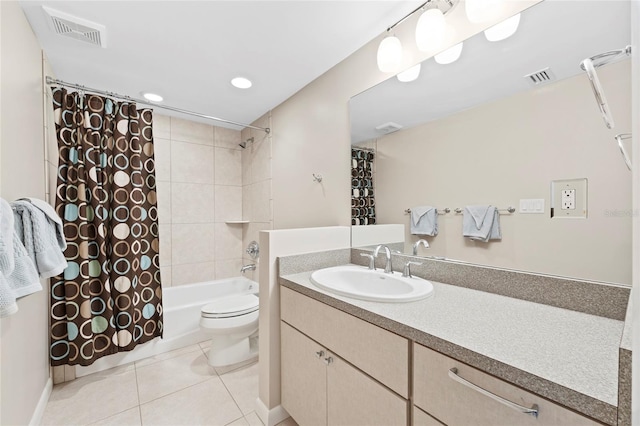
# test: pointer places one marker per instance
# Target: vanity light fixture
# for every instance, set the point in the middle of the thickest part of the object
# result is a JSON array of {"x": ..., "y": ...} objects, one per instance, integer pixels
[
  {"x": 152, "y": 97},
  {"x": 241, "y": 82},
  {"x": 409, "y": 75},
  {"x": 430, "y": 33},
  {"x": 504, "y": 29},
  {"x": 390, "y": 54},
  {"x": 450, "y": 55},
  {"x": 479, "y": 11},
  {"x": 431, "y": 29}
]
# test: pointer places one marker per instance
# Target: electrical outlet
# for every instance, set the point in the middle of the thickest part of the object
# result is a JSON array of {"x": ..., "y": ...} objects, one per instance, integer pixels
[{"x": 568, "y": 199}]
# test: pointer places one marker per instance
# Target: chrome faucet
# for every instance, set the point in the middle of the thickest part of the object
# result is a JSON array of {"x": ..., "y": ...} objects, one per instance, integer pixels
[
  {"x": 417, "y": 244},
  {"x": 388, "y": 268},
  {"x": 250, "y": 267}
]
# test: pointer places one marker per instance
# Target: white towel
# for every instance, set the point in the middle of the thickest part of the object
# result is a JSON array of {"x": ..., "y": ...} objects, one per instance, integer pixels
[
  {"x": 481, "y": 223},
  {"x": 424, "y": 221},
  {"x": 53, "y": 216},
  {"x": 39, "y": 236},
  {"x": 18, "y": 275}
]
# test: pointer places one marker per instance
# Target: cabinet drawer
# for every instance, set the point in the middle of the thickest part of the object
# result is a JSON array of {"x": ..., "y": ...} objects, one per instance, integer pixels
[
  {"x": 457, "y": 404},
  {"x": 420, "y": 418},
  {"x": 379, "y": 353}
]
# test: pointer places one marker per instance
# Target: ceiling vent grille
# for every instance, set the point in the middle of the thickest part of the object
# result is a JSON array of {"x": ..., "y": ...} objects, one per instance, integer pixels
[
  {"x": 389, "y": 127},
  {"x": 76, "y": 28},
  {"x": 541, "y": 77}
]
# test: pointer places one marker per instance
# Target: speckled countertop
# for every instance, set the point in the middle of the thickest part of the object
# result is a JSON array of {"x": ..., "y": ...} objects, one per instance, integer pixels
[{"x": 566, "y": 356}]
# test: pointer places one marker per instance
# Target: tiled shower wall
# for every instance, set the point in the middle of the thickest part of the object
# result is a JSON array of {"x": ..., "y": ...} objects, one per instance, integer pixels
[
  {"x": 257, "y": 204},
  {"x": 199, "y": 173}
]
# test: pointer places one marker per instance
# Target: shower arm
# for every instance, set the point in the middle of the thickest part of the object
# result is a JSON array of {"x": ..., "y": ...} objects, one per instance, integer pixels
[{"x": 607, "y": 57}]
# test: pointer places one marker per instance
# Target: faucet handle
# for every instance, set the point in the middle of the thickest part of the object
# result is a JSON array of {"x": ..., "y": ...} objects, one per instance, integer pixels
[
  {"x": 372, "y": 260},
  {"x": 406, "y": 272}
]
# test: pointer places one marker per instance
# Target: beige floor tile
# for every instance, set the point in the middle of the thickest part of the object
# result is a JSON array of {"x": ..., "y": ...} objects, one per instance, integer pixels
[
  {"x": 243, "y": 386},
  {"x": 206, "y": 403},
  {"x": 240, "y": 422},
  {"x": 288, "y": 422},
  {"x": 167, "y": 355},
  {"x": 171, "y": 375},
  {"x": 253, "y": 419},
  {"x": 229, "y": 368},
  {"x": 92, "y": 398},
  {"x": 126, "y": 418}
]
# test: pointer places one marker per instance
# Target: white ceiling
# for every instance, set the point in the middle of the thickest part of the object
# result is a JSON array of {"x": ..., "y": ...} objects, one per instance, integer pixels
[
  {"x": 557, "y": 34},
  {"x": 188, "y": 51}
]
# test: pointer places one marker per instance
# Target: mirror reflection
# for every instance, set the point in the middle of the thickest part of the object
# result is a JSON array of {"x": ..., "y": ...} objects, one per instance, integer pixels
[{"x": 478, "y": 132}]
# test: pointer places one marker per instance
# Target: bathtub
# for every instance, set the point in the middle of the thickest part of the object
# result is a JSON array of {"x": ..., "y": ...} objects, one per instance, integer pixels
[{"x": 181, "y": 310}]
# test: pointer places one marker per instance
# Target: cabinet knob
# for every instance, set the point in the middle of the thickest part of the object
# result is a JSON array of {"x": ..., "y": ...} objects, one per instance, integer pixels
[
  {"x": 328, "y": 360},
  {"x": 319, "y": 354}
]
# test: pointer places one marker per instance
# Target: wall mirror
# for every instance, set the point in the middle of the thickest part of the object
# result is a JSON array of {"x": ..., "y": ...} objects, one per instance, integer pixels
[{"x": 477, "y": 131}]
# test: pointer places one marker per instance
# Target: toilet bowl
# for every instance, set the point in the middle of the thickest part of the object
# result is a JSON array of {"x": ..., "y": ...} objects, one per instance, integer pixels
[{"x": 232, "y": 323}]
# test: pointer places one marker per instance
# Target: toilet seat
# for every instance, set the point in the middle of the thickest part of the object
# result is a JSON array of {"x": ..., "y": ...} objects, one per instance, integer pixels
[{"x": 232, "y": 306}]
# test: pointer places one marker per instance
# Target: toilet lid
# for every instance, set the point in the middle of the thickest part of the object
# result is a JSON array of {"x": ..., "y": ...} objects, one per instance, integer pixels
[{"x": 231, "y": 306}]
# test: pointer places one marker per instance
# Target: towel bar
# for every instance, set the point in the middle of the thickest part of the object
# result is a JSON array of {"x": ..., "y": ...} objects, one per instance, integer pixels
[
  {"x": 509, "y": 209},
  {"x": 443, "y": 211}
]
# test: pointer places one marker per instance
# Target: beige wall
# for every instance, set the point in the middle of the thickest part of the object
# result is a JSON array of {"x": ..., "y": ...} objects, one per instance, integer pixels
[
  {"x": 510, "y": 149},
  {"x": 199, "y": 173},
  {"x": 24, "y": 371},
  {"x": 311, "y": 129}
]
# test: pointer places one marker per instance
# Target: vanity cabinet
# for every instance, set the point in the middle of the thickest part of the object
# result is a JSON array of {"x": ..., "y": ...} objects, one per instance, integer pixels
[
  {"x": 465, "y": 399},
  {"x": 339, "y": 370}
]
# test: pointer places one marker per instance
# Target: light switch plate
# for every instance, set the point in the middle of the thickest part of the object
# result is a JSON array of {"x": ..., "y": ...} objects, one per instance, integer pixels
[
  {"x": 569, "y": 198},
  {"x": 532, "y": 205}
]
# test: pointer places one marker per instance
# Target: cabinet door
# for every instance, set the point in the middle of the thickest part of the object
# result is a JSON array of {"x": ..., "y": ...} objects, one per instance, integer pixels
[
  {"x": 304, "y": 378},
  {"x": 354, "y": 398}
]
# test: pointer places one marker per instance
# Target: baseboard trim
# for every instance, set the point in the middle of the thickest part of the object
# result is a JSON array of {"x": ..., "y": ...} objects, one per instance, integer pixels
[
  {"x": 270, "y": 417},
  {"x": 36, "y": 419}
]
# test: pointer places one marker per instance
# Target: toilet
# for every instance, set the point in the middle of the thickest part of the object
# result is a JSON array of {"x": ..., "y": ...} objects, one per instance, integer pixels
[{"x": 232, "y": 323}]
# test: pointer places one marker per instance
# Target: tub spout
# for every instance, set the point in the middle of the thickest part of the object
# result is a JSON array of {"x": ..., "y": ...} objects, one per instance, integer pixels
[{"x": 250, "y": 267}]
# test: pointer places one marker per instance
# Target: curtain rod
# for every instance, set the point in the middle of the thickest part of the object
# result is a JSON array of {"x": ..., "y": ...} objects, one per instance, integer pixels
[{"x": 52, "y": 81}]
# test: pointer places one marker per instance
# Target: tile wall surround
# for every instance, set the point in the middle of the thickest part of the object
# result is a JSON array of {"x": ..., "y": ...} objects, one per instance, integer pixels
[
  {"x": 257, "y": 201},
  {"x": 199, "y": 174}
]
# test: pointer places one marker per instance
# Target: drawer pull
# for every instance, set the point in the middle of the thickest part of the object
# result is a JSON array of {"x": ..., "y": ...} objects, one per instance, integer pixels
[
  {"x": 319, "y": 354},
  {"x": 328, "y": 360},
  {"x": 533, "y": 411}
]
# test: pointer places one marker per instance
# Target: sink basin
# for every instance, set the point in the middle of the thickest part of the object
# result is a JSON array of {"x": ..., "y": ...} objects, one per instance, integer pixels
[{"x": 362, "y": 283}]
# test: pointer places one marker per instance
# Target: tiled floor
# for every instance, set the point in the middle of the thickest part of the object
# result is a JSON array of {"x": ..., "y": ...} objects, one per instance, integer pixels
[{"x": 174, "y": 388}]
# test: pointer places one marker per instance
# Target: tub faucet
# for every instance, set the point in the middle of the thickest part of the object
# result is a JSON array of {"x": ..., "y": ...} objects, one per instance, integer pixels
[
  {"x": 417, "y": 244},
  {"x": 388, "y": 268},
  {"x": 250, "y": 267}
]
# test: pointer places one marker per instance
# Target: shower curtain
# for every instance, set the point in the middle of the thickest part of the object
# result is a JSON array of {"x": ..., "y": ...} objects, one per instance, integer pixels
[
  {"x": 109, "y": 298},
  {"x": 363, "y": 203}
]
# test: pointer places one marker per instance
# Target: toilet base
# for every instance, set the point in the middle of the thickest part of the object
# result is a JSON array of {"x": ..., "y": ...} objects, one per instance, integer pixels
[{"x": 226, "y": 351}]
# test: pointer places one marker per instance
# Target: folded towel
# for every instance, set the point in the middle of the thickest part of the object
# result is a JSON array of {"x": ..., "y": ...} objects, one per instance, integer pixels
[
  {"x": 38, "y": 233},
  {"x": 424, "y": 221},
  {"x": 48, "y": 210},
  {"x": 481, "y": 223},
  {"x": 18, "y": 275}
]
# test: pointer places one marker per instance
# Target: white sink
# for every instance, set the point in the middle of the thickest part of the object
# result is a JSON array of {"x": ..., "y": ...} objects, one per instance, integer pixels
[{"x": 362, "y": 283}]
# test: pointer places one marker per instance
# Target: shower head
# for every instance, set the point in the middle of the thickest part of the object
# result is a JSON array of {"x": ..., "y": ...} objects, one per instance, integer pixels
[{"x": 244, "y": 144}]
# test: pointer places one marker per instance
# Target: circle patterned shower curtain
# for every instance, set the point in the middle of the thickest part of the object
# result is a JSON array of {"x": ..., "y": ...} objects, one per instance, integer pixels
[{"x": 109, "y": 298}]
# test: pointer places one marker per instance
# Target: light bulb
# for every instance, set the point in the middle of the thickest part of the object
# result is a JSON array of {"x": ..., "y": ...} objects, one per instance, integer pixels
[
  {"x": 504, "y": 29},
  {"x": 241, "y": 82},
  {"x": 430, "y": 31},
  {"x": 389, "y": 54},
  {"x": 410, "y": 74},
  {"x": 483, "y": 10},
  {"x": 450, "y": 55}
]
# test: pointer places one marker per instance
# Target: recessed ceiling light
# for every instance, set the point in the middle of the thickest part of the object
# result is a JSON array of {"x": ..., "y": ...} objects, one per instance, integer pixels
[
  {"x": 241, "y": 82},
  {"x": 152, "y": 97}
]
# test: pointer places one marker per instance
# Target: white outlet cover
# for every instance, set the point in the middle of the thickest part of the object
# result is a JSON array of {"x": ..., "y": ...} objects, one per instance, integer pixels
[{"x": 569, "y": 198}]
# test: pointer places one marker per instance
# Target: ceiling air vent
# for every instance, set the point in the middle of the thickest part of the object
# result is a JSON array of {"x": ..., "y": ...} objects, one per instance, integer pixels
[
  {"x": 389, "y": 127},
  {"x": 540, "y": 77},
  {"x": 77, "y": 28}
]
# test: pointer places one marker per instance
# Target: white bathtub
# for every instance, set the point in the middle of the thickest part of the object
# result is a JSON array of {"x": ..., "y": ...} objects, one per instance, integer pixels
[{"x": 181, "y": 318}]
